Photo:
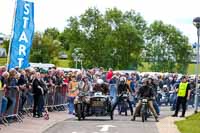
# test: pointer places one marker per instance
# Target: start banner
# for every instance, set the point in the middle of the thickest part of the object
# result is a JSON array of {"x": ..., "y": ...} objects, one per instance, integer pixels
[{"x": 22, "y": 34}]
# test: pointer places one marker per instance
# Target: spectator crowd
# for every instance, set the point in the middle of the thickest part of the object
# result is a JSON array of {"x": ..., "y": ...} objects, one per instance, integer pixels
[{"x": 34, "y": 90}]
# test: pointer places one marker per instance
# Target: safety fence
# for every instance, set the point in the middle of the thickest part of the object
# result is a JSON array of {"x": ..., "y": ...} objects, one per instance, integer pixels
[{"x": 16, "y": 104}]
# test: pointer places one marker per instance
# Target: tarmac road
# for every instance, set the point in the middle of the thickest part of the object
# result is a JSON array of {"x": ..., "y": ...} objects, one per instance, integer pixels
[{"x": 120, "y": 124}]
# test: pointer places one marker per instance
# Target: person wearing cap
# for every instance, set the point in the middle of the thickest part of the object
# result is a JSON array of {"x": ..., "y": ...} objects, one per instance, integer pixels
[
  {"x": 183, "y": 90},
  {"x": 145, "y": 92}
]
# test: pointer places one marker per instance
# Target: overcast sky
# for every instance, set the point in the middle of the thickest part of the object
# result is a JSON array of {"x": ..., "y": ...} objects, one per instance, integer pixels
[{"x": 54, "y": 13}]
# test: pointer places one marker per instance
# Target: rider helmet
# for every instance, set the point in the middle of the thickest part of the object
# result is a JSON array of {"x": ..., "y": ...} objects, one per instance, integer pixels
[
  {"x": 122, "y": 79},
  {"x": 100, "y": 81},
  {"x": 144, "y": 80}
]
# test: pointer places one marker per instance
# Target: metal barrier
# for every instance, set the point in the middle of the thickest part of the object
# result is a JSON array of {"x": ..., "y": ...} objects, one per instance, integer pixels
[
  {"x": 12, "y": 107},
  {"x": 55, "y": 99},
  {"x": 3, "y": 104},
  {"x": 28, "y": 107},
  {"x": 17, "y": 106}
]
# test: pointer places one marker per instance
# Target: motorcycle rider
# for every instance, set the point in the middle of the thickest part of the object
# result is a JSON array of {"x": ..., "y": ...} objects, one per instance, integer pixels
[
  {"x": 122, "y": 87},
  {"x": 145, "y": 92},
  {"x": 101, "y": 86},
  {"x": 86, "y": 87},
  {"x": 154, "y": 87}
]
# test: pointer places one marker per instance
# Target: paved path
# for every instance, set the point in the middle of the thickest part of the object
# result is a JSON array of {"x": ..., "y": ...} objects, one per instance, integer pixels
[{"x": 35, "y": 125}]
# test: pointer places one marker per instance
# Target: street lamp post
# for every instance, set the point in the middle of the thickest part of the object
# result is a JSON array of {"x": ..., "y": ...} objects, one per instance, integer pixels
[
  {"x": 196, "y": 23},
  {"x": 78, "y": 57},
  {"x": 75, "y": 57},
  {"x": 81, "y": 56}
]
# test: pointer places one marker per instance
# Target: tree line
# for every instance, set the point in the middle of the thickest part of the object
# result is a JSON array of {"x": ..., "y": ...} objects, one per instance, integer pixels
[{"x": 121, "y": 40}]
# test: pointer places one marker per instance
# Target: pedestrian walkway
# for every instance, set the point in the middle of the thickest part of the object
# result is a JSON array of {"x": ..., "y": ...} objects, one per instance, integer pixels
[
  {"x": 35, "y": 125},
  {"x": 167, "y": 125}
]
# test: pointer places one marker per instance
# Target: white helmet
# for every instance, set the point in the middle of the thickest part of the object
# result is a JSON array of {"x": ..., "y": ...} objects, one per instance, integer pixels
[
  {"x": 100, "y": 81},
  {"x": 165, "y": 86},
  {"x": 144, "y": 80},
  {"x": 122, "y": 79}
]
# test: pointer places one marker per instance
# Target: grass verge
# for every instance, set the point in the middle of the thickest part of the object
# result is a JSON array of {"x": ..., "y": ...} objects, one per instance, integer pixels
[{"x": 190, "y": 125}]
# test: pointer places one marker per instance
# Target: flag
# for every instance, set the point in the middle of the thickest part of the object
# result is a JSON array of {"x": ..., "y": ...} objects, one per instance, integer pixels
[{"x": 22, "y": 34}]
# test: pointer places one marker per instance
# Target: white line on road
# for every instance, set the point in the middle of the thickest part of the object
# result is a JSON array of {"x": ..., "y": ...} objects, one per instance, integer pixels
[{"x": 105, "y": 128}]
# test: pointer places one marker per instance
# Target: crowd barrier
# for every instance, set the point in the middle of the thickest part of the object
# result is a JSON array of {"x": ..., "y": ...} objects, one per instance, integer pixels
[
  {"x": 56, "y": 98},
  {"x": 16, "y": 104},
  {"x": 10, "y": 106}
]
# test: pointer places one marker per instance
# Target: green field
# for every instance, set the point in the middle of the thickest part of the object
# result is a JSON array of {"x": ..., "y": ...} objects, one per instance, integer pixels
[
  {"x": 3, "y": 61},
  {"x": 191, "y": 68},
  {"x": 63, "y": 63},
  {"x": 190, "y": 125},
  {"x": 146, "y": 68}
]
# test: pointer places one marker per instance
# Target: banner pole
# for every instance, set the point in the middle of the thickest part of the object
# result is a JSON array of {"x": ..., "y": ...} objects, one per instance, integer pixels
[{"x": 12, "y": 29}]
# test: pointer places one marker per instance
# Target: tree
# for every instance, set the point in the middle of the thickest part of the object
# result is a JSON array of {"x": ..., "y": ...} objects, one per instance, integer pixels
[
  {"x": 111, "y": 40},
  {"x": 52, "y": 33},
  {"x": 167, "y": 48},
  {"x": 44, "y": 49},
  {"x": 6, "y": 44}
]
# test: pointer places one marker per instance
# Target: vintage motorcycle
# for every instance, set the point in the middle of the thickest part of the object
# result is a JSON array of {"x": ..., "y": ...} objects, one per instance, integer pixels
[
  {"x": 100, "y": 105},
  {"x": 123, "y": 105}
]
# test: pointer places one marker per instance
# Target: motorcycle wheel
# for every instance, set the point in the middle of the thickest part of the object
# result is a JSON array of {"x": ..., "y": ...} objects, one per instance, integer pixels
[
  {"x": 83, "y": 111},
  {"x": 143, "y": 115},
  {"x": 145, "y": 118},
  {"x": 79, "y": 111},
  {"x": 126, "y": 113},
  {"x": 83, "y": 116},
  {"x": 111, "y": 116},
  {"x": 120, "y": 112}
]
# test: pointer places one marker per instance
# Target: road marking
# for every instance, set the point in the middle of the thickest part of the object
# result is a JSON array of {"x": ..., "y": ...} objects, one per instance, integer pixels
[
  {"x": 74, "y": 132},
  {"x": 105, "y": 128}
]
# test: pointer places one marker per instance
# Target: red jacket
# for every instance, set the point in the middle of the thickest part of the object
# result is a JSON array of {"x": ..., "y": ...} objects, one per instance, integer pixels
[{"x": 109, "y": 75}]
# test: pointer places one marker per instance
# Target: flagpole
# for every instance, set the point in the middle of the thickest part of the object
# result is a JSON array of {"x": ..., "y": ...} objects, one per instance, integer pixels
[{"x": 12, "y": 33}]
